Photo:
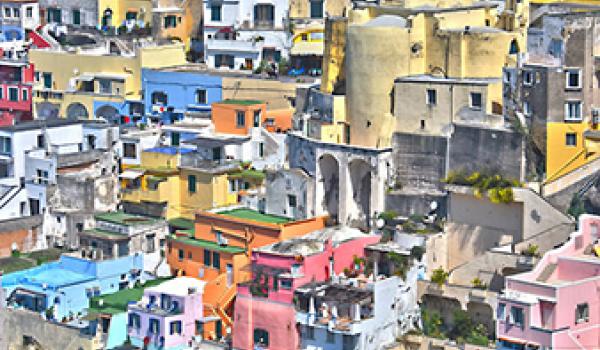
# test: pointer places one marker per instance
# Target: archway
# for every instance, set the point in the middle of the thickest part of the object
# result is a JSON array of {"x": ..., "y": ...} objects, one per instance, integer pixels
[
  {"x": 110, "y": 113},
  {"x": 77, "y": 110},
  {"x": 47, "y": 110},
  {"x": 330, "y": 180},
  {"x": 360, "y": 182}
]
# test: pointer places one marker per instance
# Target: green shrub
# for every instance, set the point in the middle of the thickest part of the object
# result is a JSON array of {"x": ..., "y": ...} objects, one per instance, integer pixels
[
  {"x": 439, "y": 276},
  {"x": 432, "y": 323}
]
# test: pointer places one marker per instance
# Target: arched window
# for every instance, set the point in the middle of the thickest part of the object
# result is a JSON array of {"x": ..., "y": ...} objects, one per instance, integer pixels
[
  {"x": 514, "y": 47},
  {"x": 261, "y": 337}
]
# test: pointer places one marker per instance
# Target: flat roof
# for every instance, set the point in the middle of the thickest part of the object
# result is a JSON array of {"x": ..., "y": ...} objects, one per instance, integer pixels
[
  {"x": 425, "y": 78},
  {"x": 240, "y": 102},
  {"x": 179, "y": 286},
  {"x": 216, "y": 140},
  {"x": 122, "y": 218},
  {"x": 182, "y": 223},
  {"x": 207, "y": 244},
  {"x": 111, "y": 235},
  {"x": 249, "y": 214},
  {"x": 47, "y": 123},
  {"x": 172, "y": 150}
]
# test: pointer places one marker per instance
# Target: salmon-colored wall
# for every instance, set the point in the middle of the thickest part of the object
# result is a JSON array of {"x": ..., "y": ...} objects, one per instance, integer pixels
[
  {"x": 223, "y": 116},
  {"x": 24, "y": 239},
  {"x": 282, "y": 120}
]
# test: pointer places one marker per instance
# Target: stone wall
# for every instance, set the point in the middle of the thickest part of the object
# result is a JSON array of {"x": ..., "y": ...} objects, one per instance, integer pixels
[{"x": 23, "y": 232}]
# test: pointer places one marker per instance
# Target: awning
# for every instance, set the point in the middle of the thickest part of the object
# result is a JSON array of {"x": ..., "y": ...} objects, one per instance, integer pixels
[
  {"x": 131, "y": 174},
  {"x": 305, "y": 48}
]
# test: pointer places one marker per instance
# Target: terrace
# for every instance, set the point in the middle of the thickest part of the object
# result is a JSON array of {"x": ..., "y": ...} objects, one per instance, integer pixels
[{"x": 249, "y": 214}]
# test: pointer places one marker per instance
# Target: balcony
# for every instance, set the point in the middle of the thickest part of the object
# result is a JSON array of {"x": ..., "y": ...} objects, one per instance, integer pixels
[
  {"x": 156, "y": 310},
  {"x": 249, "y": 46}
]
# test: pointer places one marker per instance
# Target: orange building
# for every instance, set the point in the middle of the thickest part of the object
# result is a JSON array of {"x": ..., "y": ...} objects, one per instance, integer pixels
[
  {"x": 278, "y": 120},
  {"x": 218, "y": 251},
  {"x": 238, "y": 116}
]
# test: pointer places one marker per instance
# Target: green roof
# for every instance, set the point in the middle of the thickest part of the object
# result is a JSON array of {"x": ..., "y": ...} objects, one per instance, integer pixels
[
  {"x": 117, "y": 302},
  {"x": 209, "y": 245},
  {"x": 248, "y": 174},
  {"x": 241, "y": 102},
  {"x": 13, "y": 264},
  {"x": 182, "y": 223},
  {"x": 105, "y": 233},
  {"x": 121, "y": 218},
  {"x": 249, "y": 214}
]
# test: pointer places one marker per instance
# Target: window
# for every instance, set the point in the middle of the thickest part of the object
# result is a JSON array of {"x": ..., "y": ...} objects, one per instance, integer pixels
[
  {"x": 224, "y": 61},
  {"x": 516, "y": 316},
  {"x": 285, "y": 284},
  {"x": 582, "y": 313},
  {"x": 105, "y": 86},
  {"x": 431, "y": 97},
  {"x": 316, "y": 9},
  {"x": 41, "y": 176},
  {"x": 199, "y": 328},
  {"x": 215, "y": 13},
  {"x": 175, "y": 327},
  {"x": 475, "y": 100},
  {"x": 24, "y": 95},
  {"x": 257, "y": 118},
  {"x": 131, "y": 16},
  {"x": 527, "y": 78},
  {"x": 47, "y": 80},
  {"x": 129, "y": 150},
  {"x": 7, "y": 12},
  {"x": 573, "y": 111},
  {"x": 573, "y": 78},
  {"x": 170, "y": 21},
  {"x": 295, "y": 269},
  {"x": 216, "y": 263},
  {"x": 29, "y": 12},
  {"x": 134, "y": 321},
  {"x": 159, "y": 97},
  {"x": 192, "y": 183},
  {"x": 16, "y": 12},
  {"x": 261, "y": 337},
  {"x": 347, "y": 341},
  {"x": 240, "y": 117},
  {"x": 154, "y": 326},
  {"x": 501, "y": 311},
  {"x": 330, "y": 337},
  {"x": 5, "y": 145},
  {"x": 201, "y": 96},
  {"x": 76, "y": 17},
  {"x": 292, "y": 200},
  {"x": 264, "y": 15},
  {"x": 261, "y": 149},
  {"x": 526, "y": 108},
  {"x": 180, "y": 254},
  {"x": 207, "y": 256},
  {"x": 4, "y": 172},
  {"x": 13, "y": 94},
  {"x": 422, "y": 124},
  {"x": 1, "y": 93},
  {"x": 571, "y": 139}
]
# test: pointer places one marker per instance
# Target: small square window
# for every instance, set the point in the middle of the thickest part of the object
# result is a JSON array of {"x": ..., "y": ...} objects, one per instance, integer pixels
[
  {"x": 431, "y": 97},
  {"x": 528, "y": 77},
  {"x": 292, "y": 200},
  {"x": 201, "y": 96},
  {"x": 476, "y": 100},
  {"x": 240, "y": 119},
  {"x": 582, "y": 313},
  {"x": 13, "y": 94},
  {"x": 215, "y": 13},
  {"x": 571, "y": 139},
  {"x": 7, "y": 12}
]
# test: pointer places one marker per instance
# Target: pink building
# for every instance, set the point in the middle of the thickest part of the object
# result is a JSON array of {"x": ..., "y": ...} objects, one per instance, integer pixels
[
  {"x": 556, "y": 305},
  {"x": 16, "y": 81},
  {"x": 169, "y": 315},
  {"x": 265, "y": 316}
]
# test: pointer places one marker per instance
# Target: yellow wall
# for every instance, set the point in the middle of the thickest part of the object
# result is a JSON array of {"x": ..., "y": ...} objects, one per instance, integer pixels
[
  {"x": 159, "y": 160},
  {"x": 66, "y": 66},
  {"x": 335, "y": 132},
  {"x": 211, "y": 191},
  {"x": 560, "y": 158},
  {"x": 121, "y": 7}
]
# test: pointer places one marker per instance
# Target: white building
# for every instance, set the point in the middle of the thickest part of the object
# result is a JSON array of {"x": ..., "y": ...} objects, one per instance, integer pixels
[
  {"x": 17, "y": 17},
  {"x": 240, "y": 34}
]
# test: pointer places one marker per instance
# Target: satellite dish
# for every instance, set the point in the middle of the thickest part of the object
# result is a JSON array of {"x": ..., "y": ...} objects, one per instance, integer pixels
[
  {"x": 380, "y": 223},
  {"x": 433, "y": 206}
]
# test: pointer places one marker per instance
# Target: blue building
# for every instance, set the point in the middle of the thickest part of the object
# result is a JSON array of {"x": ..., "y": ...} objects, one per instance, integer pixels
[
  {"x": 169, "y": 93},
  {"x": 67, "y": 285}
]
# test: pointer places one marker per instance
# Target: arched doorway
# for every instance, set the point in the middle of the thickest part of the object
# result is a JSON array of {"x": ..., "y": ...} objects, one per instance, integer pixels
[
  {"x": 46, "y": 110},
  {"x": 77, "y": 111},
  {"x": 360, "y": 182},
  {"x": 330, "y": 180},
  {"x": 110, "y": 113}
]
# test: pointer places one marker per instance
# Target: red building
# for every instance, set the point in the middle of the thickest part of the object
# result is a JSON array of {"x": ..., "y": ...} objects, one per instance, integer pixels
[{"x": 16, "y": 81}]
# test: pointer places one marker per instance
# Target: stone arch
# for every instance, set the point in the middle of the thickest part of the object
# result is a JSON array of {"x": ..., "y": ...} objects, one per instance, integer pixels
[
  {"x": 77, "y": 110},
  {"x": 329, "y": 168},
  {"x": 107, "y": 112},
  {"x": 360, "y": 185}
]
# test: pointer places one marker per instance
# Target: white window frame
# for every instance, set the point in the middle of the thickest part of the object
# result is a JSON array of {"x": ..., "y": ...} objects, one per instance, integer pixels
[
  {"x": 7, "y": 13},
  {"x": 471, "y": 105},
  {"x": 13, "y": 88},
  {"x": 568, "y": 72},
  {"x": 428, "y": 99},
  {"x": 567, "y": 138},
  {"x": 531, "y": 77},
  {"x": 527, "y": 108},
  {"x": 569, "y": 118}
]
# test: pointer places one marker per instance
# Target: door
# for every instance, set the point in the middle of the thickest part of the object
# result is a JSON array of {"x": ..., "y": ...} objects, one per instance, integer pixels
[{"x": 219, "y": 329}]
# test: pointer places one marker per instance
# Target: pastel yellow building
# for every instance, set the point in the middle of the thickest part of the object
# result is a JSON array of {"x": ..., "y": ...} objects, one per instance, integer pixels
[
  {"x": 99, "y": 82},
  {"x": 382, "y": 43},
  {"x": 569, "y": 146},
  {"x": 173, "y": 183},
  {"x": 177, "y": 19},
  {"x": 117, "y": 13}
]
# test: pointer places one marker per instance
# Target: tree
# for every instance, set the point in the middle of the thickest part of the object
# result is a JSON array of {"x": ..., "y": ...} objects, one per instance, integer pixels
[{"x": 439, "y": 276}]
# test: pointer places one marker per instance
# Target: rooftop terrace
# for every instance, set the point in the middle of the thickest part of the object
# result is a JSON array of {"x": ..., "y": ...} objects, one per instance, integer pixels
[
  {"x": 240, "y": 102},
  {"x": 121, "y": 218}
]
